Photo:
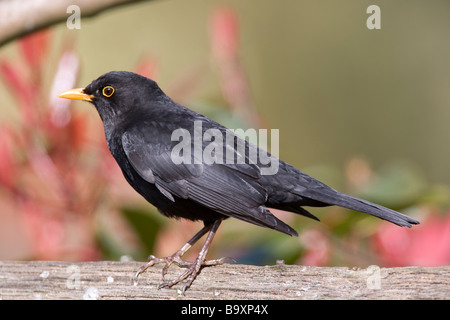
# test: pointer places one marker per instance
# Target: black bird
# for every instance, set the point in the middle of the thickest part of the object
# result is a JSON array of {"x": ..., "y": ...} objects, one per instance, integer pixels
[{"x": 139, "y": 121}]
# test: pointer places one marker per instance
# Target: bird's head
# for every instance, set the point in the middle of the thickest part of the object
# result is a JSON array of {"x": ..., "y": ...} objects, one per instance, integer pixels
[{"x": 117, "y": 92}]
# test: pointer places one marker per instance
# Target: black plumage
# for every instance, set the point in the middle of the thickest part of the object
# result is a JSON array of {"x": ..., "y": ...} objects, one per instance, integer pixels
[{"x": 139, "y": 120}]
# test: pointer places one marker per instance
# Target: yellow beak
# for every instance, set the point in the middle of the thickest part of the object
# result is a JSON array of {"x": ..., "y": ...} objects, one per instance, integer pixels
[{"x": 76, "y": 94}]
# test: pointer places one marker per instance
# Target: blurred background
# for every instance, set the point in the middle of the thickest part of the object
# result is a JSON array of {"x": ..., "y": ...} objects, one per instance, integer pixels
[{"x": 365, "y": 111}]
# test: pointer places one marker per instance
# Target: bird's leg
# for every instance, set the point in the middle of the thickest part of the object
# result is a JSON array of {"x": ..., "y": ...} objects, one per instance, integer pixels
[
  {"x": 194, "y": 268},
  {"x": 175, "y": 258}
]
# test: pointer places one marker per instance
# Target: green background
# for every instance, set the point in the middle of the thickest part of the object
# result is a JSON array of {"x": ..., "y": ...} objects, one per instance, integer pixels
[{"x": 333, "y": 87}]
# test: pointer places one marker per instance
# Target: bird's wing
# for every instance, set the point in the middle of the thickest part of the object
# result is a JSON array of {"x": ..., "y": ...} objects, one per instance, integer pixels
[{"x": 231, "y": 189}]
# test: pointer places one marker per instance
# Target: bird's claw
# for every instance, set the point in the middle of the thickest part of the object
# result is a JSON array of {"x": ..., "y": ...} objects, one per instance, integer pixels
[{"x": 193, "y": 269}]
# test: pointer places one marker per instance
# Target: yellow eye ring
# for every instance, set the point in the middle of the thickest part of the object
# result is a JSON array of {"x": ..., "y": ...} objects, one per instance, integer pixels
[{"x": 108, "y": 91}]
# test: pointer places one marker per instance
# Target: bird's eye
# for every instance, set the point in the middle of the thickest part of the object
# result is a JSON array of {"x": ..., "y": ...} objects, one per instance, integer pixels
[{"x": 108, "y": 91}]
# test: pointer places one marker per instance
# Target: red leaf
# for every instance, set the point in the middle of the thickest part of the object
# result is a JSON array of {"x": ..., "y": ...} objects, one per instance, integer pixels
[
  {"x": 317, "y": 248},
  {"x": 225, "y": 32},
  {"x": 16, "y": 83},
  {"x": 34, "y": 48},
  {"x": 46, "y": 232},
  {"x": 79, "y": 132},
  {"x": 147, "y": 67},
  {"x": 7, "y": 167},
  {"x": 427, "y": 244},
  {"x": 21, "y": 90}
]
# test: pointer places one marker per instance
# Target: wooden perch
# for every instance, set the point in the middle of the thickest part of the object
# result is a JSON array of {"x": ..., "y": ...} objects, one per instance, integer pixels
[{"x": 113, "y": 280}]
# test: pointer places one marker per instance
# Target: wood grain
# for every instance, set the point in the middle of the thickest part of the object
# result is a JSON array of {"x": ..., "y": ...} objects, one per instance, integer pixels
[{"x": 113, "y": 280}]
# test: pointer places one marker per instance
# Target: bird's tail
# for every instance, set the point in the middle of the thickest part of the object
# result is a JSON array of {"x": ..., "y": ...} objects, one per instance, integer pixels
[{"x": 333, "y": 197}]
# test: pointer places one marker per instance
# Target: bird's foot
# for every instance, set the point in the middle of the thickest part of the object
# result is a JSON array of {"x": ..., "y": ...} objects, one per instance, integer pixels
[{"x": 193, "y": 268}]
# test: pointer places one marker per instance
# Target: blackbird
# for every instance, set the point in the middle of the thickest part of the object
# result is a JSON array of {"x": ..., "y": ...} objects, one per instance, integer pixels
[{"x": 140, "y": 121}]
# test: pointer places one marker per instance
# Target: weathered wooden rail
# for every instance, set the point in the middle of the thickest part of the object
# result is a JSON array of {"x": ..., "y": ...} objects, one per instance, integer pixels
[{"x": 113, "y": 280}]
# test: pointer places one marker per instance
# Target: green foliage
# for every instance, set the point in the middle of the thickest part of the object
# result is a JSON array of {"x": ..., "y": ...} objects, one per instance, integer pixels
[
  {"x": 146, "y": 225},
  {"x": 397, "y": 185}
]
